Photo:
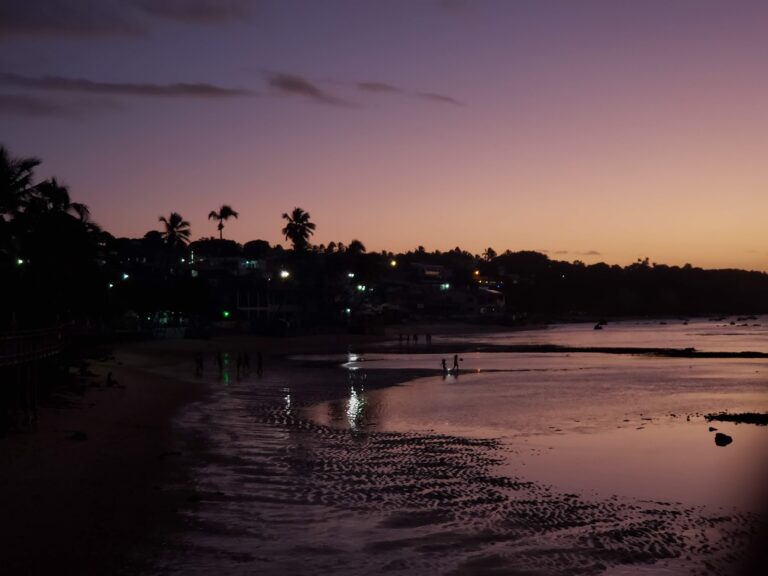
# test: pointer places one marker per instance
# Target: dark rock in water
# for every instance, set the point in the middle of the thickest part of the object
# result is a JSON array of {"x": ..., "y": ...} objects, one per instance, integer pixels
[
  {"x": 78, "y": 435},
  {"x": 722, "y": 439},
  {"x": 711, "y": 429}
]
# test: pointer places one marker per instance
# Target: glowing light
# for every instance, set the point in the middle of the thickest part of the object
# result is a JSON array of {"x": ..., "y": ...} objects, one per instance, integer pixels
[
  {"x": 351, "y": 275},
  {"x": 393, "y": 263},
  {"x": 445, "y": 286},
  {"x": 284, "y": 274},
  {"x": 111, "y": 285},
  {"x": 348, "y": 310},
  {"x": 477, "y": 272},
  {"x": 125, "y": 276},
  {"x": 225, "y": 313},
  {"x": 19, "y": 262},
  {"x": 361, "y": 287}
]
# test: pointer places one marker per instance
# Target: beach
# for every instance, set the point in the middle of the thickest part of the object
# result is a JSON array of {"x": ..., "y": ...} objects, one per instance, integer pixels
[{"x": 356, "y": 455}]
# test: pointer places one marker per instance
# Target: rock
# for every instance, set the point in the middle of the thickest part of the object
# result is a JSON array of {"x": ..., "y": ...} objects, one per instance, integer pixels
[
  {"x": 711, "y": 429},
  {"x": 722, "y": 439}
]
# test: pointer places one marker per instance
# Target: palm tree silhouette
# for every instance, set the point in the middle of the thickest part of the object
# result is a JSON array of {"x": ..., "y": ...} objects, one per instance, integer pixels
[
  {"x": 298, "y": 229},
  {"x": 176, "y": 233},
  {"x": 15, "y": 182},
  {"x": 224, "y": 214}
]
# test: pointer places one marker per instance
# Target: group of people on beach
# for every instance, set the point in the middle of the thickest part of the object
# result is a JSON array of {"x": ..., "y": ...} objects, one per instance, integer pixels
[
  {"x": 454, "y": 369},
  {"x": 242, "y": 362},
  {"x": 415, "y": 338}
]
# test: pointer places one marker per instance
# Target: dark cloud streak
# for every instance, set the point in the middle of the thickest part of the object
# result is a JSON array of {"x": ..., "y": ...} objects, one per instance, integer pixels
[
  {"x": 80, "y": 18},
  {"x": 293, "y": 85},
  {"x": 384, "y": 88},
  {"x": 110, "y": 18},
  {"x": 31, "y": 106},
  {"x": 440, "y": 98},
  {"x": 178, "y": 90},
  {"x": 196, "y": 11}
]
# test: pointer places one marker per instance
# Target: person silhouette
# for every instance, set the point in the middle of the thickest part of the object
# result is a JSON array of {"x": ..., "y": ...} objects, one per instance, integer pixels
[
  {"x": 455, "y": 363},
  {"x": 445, "y": 367}
]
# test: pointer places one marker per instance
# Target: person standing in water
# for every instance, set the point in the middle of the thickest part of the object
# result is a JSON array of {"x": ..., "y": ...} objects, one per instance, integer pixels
[{"x": 455, "y": 363}]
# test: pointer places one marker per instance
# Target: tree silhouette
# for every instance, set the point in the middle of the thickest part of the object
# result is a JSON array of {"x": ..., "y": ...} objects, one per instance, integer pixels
[
  {"x": 298, "y": 229},
  {"x": 489, "y": 254},
  {"x": 15, "y": 182},
  {"x": 225, "y": 213},
  {"x": 176, "y": 233},
  {"x": 356, "y": 247}
]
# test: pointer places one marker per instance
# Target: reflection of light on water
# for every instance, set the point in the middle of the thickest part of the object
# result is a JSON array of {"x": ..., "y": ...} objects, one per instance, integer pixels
[
  {"x": 354, "y": 407},
  {"x": 352, "y": 358},
  {"x": 287, "y": 398}
]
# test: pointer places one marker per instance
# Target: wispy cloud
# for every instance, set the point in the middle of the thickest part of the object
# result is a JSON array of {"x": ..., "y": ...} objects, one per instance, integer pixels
[
  {"x": 385, "y": 88},
  {"x": 82, "y": 85},
  {"x": 33, "y": 106},
  {"x": 196, "y": 11},
  {"x": 100, "y": 18},
  {"x": 293, "y": 85},
  {"x": 587, "y": 253},
  {"x": 66, "y": 18},
  {"x": 441, "y": 98}
]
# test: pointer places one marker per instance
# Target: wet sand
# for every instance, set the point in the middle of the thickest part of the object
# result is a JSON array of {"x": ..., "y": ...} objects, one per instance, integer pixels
[
  {"x": 244, "y": 482},
  {"x": 102, "y": 473}
]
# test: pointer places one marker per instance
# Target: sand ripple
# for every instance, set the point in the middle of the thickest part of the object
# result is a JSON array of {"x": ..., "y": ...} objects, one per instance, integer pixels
[{"x": 274, "y": 493}]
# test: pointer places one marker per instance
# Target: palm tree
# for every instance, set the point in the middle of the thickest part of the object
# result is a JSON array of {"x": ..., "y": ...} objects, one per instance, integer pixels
[
  {"x": 176, "y": 233},
  {"x": 15, "y": 182},
  {"x": 224, "y": 214},
  {"x": 298, "y": 229},
  {"x": 49, "y": 196}
]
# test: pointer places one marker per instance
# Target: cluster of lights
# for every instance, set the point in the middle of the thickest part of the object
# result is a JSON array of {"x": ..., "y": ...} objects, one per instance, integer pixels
[
  {"x": 445, "y": 286},
  {"x": 284, "y": 274},
  {"x": 361, "y": 287}
]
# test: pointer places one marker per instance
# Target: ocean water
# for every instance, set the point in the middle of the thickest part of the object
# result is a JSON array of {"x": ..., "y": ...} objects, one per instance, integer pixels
[{"x": 375, "y": 462}]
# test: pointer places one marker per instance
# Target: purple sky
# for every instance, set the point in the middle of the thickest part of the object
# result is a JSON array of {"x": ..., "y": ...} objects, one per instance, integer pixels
[{"x": 595, "y": 130}]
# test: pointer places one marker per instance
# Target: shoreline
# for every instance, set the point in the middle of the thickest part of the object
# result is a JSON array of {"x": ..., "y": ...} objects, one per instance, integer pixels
[{"x": 114, "y": 503}]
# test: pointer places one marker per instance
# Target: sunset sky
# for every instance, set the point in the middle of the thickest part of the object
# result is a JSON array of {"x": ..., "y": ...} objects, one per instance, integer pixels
[{"x": 598, "y": 130}]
